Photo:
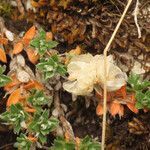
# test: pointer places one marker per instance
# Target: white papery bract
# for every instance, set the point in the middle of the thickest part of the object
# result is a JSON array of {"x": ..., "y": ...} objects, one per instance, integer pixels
[
  {"x": 86, "y": 70},
  {"x": 9, "y": 35}
]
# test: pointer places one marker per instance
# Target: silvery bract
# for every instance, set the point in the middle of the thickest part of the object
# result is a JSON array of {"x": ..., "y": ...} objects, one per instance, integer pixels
[{"x": 86, "y": 70}]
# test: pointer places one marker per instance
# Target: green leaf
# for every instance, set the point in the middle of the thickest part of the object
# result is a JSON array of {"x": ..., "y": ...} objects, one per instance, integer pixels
[
  {"x": 136, "y": 83},
  {"x": 52, "y": 44},
  {"x": 42, "y": 125},
  {"x": 140, "y": 87},
  {"x": 89, "y": 144},
  {"x": 143, "y": 99},
  {"x": 51, "y": 67},
  {"x": 85, "y": 144},
  {"x": 48, "y": 75},
  {"x": 15, "y": 116},
  {"x": 55, "y": 58},
  {"x": 23, "y": 143},
  {"x": 138, "y": 105},
  {"x": 2, "y": 69},
  {"x": 38, "y": 98},
  {"x": 35, "y": 43},
  {"x": 3, "y": 78},
  {"x": 42, "y": 33},
  {"x": 61, "y": 144},
  {"x": 42, "y": 138},
  {"x": 40, "y": 43},
  {"x": 61, "y": 69}
]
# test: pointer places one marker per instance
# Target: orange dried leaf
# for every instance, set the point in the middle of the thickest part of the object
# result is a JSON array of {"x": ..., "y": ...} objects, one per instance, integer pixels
[
  {"x": 32, "y": 139},
  {"x": 77, "y": 140},
  {"x": 14, "y": 97},
  {"x": 35, "y": 4},
  {"x": 38, "y": 85},
  {"x": 30, "y": 33},
  {"x": 132, "y": 107},
  {"x": 49, "y": 36},
  {"x": 121, "y": 112},
  {"x": 42, "y": 2},
  {"x": 133, "y": 97},
  {"x": 33, "y": 84},
  {"x": 3, "y": 56},
  {"x": 32, "y": 55},
  {"x": 99, "y": 109},
  {"x": 76, "y": 51},
  {"x": 18, "y": 48},
  {"x": 26, "y": 42},
  {"x": 10, "y": 85},
  {"x": 3, "y": 41},
  {"x": 30, "y": 110},
  {"x": 121, "y": 92},
  {"x": 115, "y": 108},
  {"x": 29, "y": 86},
  {"x": 67, "y": 136},
  {"x": 109, "y": 96}
]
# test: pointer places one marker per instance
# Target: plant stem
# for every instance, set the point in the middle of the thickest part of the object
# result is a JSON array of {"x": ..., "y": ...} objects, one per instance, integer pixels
[{"x": 105, "y": 73}]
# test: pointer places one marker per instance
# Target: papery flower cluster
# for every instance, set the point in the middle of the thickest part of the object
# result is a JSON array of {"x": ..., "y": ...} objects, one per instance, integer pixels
[{"x": 86, "y": 71}]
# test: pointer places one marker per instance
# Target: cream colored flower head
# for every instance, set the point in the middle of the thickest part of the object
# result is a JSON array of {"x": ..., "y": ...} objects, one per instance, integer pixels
[{"x": 86, "y": 70}]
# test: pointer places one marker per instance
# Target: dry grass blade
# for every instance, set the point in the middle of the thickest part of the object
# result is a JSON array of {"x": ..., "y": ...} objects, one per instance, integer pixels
[{"x": 105, "y": 73}]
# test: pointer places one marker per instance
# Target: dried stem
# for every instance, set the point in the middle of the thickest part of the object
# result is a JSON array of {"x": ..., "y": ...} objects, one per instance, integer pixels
[
  {"x": 105, "y": 73},
  {"x": 135, "y": 13}
]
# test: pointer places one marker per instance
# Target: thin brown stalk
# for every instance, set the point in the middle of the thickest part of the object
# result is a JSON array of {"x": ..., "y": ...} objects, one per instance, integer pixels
[
  {"x": 135, "y": 13},
  {"x": 105, "y": 73}
]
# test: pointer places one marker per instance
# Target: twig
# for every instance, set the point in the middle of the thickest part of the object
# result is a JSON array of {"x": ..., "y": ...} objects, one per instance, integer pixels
[
  {"x": 135, "y": 13},
  {"x": 65, "y": 124},
  {"x": 105, "y": 73}
]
